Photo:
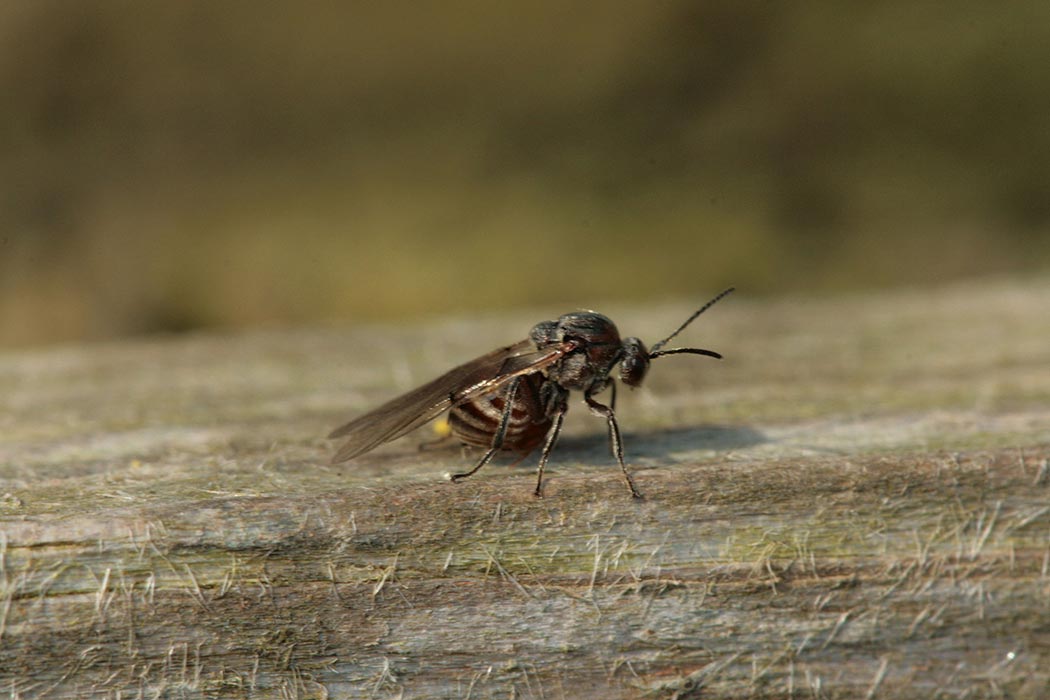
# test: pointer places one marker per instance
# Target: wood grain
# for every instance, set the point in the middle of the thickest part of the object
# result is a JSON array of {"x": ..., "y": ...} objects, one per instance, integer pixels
[{"x": 854, "y": 503}]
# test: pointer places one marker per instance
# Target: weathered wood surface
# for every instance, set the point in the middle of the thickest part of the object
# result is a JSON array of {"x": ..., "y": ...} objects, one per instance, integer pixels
[{"x": 854, "y": 503}]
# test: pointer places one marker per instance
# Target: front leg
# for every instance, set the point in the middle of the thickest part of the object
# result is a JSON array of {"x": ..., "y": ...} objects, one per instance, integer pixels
[{"x": 614, "y": 438}]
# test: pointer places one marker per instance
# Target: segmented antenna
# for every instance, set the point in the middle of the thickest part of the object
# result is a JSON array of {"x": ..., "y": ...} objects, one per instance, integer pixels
[{"x": 689, "y": 320}]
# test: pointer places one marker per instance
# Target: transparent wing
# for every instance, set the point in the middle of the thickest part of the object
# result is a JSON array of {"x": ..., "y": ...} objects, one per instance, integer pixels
[{"x": 460, "y": 384}]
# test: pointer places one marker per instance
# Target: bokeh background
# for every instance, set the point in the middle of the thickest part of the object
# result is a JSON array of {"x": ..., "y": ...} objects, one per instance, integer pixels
[{"x": 169, "y": 166}]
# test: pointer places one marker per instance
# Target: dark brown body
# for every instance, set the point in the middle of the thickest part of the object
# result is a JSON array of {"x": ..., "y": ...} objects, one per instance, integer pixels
[
  {"x": 539, "y": 396},
  {"x": 475, "y": 422},
  {"x": 515, "y": 397}
]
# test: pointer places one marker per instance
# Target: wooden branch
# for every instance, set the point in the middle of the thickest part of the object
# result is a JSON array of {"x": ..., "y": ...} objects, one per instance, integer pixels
[{"x": 854, "y": 503}]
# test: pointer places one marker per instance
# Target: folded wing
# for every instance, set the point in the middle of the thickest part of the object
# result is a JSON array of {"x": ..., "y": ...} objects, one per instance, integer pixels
[{"x": 407, "y": 412}]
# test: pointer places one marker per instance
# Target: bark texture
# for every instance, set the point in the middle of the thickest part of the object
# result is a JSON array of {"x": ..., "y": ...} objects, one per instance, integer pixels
[{"x": 854, "y": 503}]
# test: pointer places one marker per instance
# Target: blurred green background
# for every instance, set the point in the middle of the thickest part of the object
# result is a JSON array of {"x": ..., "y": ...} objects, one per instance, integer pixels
[{"x": 186, "y": 164}]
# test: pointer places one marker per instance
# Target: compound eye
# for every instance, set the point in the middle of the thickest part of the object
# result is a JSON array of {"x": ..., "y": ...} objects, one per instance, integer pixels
[{"x": 635, "y": 362}]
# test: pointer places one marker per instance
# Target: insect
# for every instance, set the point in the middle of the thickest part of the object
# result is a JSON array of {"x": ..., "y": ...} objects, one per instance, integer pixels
[{"x": 515, "y": 397}]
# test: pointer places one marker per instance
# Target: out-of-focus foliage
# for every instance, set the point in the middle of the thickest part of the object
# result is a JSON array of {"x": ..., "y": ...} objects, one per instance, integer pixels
[{"x": 170, "y": 165}]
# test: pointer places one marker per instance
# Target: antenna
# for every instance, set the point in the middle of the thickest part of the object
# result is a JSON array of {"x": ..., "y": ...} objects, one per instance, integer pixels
[{"x": 655, "y": 352}]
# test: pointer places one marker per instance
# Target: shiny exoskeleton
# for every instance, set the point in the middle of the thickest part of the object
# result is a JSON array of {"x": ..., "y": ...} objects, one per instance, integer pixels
[
  {"x": 515, "y": 398},
  {"x": 475, "y": 422}
]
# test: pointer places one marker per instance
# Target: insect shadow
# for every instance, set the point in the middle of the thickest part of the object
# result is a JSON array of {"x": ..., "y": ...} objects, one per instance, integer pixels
[{"x": 660, "y": 447}]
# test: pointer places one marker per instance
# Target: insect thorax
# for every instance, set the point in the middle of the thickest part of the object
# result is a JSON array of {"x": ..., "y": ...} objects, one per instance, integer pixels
[{"x": 587, "y": 367}]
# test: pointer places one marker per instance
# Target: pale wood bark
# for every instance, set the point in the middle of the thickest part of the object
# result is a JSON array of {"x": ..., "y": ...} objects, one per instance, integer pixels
[{"x": 855, "y": 502}]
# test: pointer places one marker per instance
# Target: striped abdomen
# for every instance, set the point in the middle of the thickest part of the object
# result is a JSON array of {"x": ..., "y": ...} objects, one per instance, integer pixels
[{"x": 475, "y": 423}]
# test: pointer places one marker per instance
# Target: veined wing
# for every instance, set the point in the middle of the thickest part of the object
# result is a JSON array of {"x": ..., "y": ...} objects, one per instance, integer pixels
[{"x": 460, "y": 384}]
